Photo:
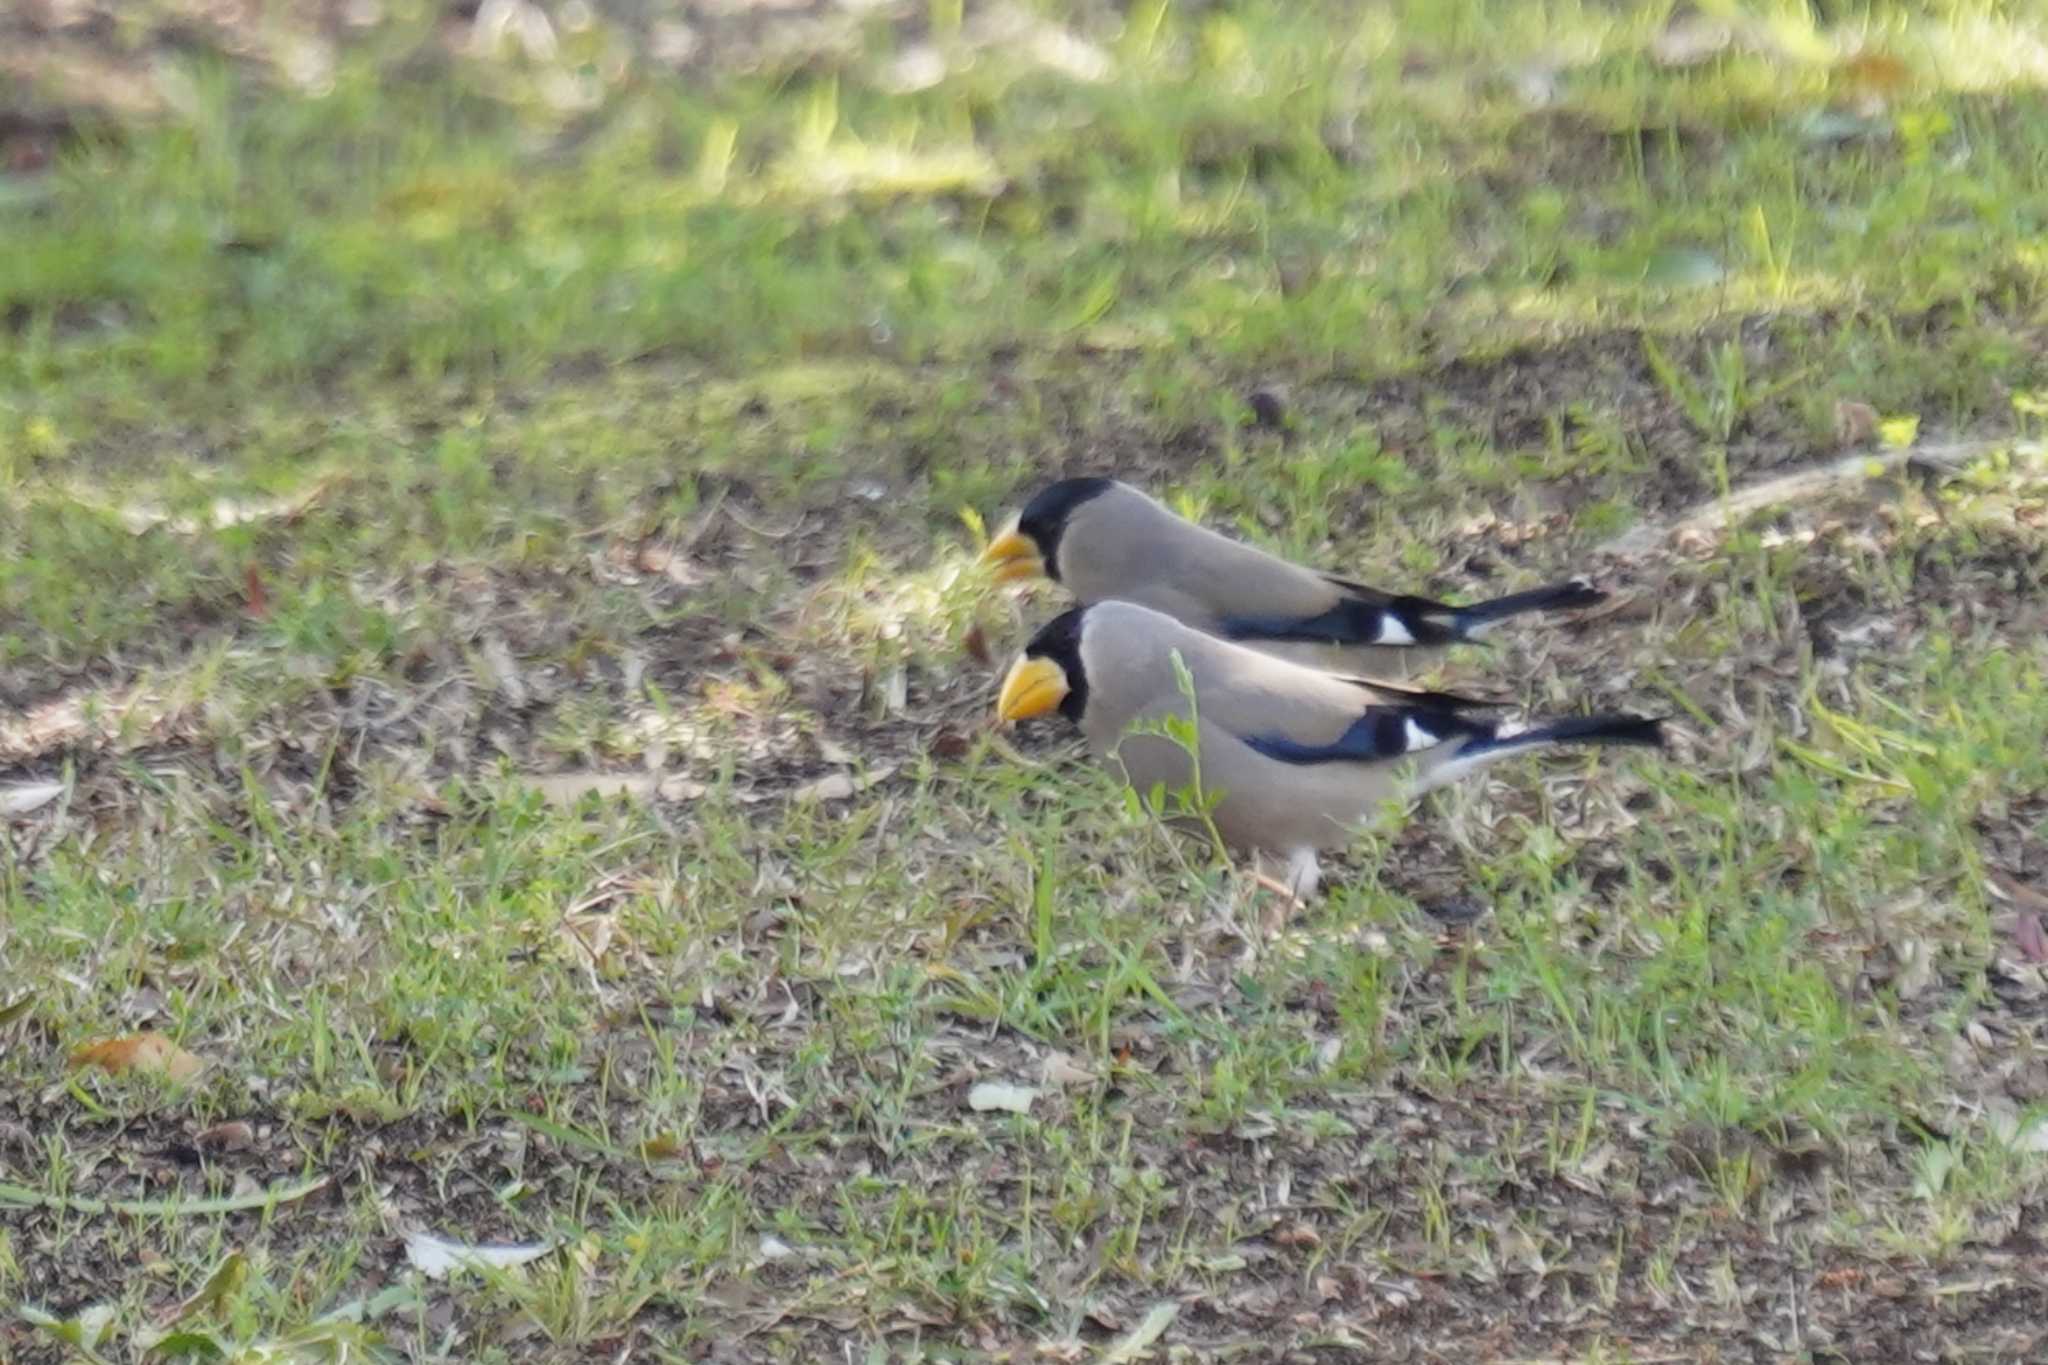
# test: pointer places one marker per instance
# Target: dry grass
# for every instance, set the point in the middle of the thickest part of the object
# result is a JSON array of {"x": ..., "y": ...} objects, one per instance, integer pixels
[{"x": 490, "y": 674}]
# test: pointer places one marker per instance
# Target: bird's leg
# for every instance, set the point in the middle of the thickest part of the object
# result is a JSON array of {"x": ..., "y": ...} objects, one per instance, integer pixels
[
  {"x": 1278, "y": 888},
  {"x": 1304, "y": 874}
]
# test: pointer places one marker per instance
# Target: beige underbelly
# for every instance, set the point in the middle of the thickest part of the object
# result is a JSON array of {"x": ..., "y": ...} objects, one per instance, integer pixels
[{"x": 1259, "y": 803}]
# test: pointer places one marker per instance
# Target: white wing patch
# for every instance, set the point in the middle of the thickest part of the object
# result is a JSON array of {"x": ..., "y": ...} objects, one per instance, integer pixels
[
  {"x": 1419, "y": 738},
  {"x": 1392, "y": 632}
]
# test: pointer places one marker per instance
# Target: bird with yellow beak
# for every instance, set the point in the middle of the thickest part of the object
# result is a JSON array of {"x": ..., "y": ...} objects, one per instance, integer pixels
[
  {"x": 1106, "y": 541},
  {"x": 1296, "y": 759}
]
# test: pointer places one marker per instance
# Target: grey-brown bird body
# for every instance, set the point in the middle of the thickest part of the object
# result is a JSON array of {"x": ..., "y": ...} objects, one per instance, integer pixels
[
  {"x": 1294, "y": 758},
  {"x": 1239, "y": 693},
  {"x": 1104, "y": 540}
]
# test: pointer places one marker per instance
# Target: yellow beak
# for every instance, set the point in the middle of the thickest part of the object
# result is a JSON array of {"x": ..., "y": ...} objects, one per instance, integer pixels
[
  {"x": 1015, "y": 557},
  {"x": 1031, "y": 688}
]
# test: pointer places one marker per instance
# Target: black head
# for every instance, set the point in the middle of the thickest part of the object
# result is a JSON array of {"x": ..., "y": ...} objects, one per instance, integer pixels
[
  {"x": 1045, "y": 517},
  {"x": 1060, "y": 641}
]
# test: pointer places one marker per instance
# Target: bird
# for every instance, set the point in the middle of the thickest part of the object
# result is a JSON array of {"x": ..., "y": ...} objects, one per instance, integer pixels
[
  {"x": 1102, "y": 539},
  {"x": 1295, "y": 759}
]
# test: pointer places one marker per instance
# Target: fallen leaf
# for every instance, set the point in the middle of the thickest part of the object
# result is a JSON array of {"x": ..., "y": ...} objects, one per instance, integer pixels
[
  {"x": 950, "y": 744},
  {"x": 1015, "y": 1099},
  {"x": 504, "y": 670},
  {"x": 224, "y": 513},
  {"x": 1144, "y": 1334},
  {"x": 434, "y": 1257},
  {"x": 975, "y": 642},
  {"x": 913, "y": 1316},
  {"x": 1855, "y": 423},
  {"x": 1594, "y": 1164},
  {"x": 566, "y": 789},
  {"x": 1916, "y": 967},
  {"x": 1060, "y": 1069},
  {"x": 833, "y": 752},
  {"x": 2009, "y": 887},
  {"x": 830, "y": 787},
  {"x": 1297, "y": 1235},
  {"x": 28, "y": 797},
  {"x": 892, "y": 689},
  {"x": 588, "y": 935},
  {"x": 232, "y": 1136},
  {"x": 1105, "y": 1316},
  {"x": 255, "y": 600},
  {"x": 653, "y": 558},
  {"x": 2030, "y": 937},
  {"x": 1256, "y": 1127},
  {"x": 148, "y": 1052},
  {"x": 840, "y": 786}
]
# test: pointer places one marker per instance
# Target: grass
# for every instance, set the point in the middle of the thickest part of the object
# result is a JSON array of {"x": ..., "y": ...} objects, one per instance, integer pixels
[{"x": 381, "y": 461}]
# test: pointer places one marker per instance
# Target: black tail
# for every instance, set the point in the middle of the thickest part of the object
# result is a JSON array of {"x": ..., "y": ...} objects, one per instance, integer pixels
[
  {"x": 1480, "y": 616},
  {"x": 1367, "y": 616},
  {"x": 1640, "y": 731}
]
